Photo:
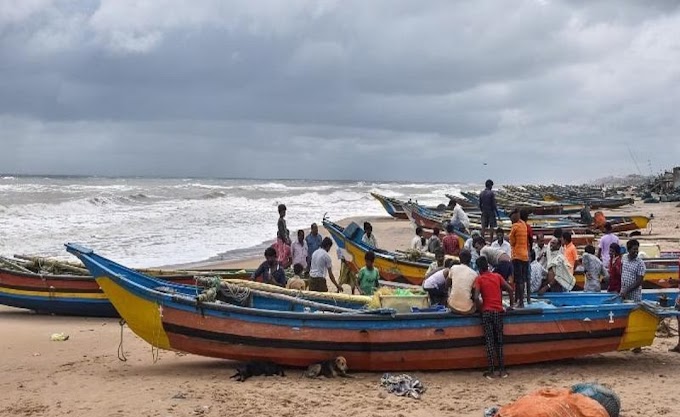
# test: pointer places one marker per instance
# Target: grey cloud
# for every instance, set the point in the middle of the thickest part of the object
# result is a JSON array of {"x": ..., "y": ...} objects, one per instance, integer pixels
[{"x": 384, "y": 90}]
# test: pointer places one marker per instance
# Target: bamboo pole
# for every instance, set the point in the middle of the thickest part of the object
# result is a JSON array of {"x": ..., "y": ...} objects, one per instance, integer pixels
[{"x": 66, "y": 266}]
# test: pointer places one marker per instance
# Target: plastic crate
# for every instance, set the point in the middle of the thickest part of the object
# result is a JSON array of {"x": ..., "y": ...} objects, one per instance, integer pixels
[{"x": 403, "y": 303}]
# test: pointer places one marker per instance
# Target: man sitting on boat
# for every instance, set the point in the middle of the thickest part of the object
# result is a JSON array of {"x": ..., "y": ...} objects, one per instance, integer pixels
[
  {"x": 501, "y": 243},
  {"x": 462, "y": 279},
  {"x": 418, "y": 242},
  {"x": 270, "y": 271},
  {"x": 559, "y": 277}
]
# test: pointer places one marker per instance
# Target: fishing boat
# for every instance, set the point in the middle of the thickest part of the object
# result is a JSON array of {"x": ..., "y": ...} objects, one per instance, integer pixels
[
  {"x": 395, "y": 207},
  {"x": 396, "y": 267},
  {"x": 75, "y": 295},
  {"x": 370, "y": 340}
]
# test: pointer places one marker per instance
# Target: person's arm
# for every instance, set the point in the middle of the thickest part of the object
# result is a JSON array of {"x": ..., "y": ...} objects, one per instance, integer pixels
[
  {"x": 258, "y": 272},
  {"x": 550, "y": 282},
  {"x": 477, "y": 298},
  {"x": 599, "y": 250},
  {"x": 493, "y": 205},
  {"x": 332, "y": 277}
]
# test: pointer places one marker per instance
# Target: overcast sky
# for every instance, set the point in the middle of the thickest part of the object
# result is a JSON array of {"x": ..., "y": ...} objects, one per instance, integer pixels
[{"x": 380, "y": 90}]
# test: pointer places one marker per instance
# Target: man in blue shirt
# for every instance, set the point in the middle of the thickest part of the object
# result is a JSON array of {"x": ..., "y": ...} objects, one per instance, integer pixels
[{"x": 313, "y": 243}]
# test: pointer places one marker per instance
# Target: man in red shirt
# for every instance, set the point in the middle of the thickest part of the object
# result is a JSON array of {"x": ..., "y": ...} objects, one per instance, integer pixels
[
  {"x": 450, "y": 242},
  {"x": 488, "y": 285}
]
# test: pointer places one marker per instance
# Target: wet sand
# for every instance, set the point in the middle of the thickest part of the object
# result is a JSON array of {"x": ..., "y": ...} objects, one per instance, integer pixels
[{"x": 83, "y": 376}]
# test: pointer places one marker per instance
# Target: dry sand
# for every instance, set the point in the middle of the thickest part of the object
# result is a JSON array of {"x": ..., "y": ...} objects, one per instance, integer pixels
[{"x": 83, "y": 376}]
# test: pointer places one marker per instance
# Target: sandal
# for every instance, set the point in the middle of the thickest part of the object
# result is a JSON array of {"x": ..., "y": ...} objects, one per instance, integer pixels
[{"x": 489, "y": 375}]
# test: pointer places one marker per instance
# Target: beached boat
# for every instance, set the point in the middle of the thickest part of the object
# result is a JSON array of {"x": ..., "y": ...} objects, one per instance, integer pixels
[
  {"x": 369, "y": 340},
  {"x": 396, "y": 267},
  {"x": 75, "y": 295},
  {"x": 395, "y": 207}
]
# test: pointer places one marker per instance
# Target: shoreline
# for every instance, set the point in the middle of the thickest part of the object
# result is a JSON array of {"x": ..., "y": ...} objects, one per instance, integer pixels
[{"x": 250, "y": 258}]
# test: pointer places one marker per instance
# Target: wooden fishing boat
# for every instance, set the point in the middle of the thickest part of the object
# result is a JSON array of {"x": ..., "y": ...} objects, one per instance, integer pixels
[
  {"x": 369, "y": 340},
  {"x": 395, "y": 267},
  {"x": 74, "y": 295},
  {"x": 395, "y": 207}
]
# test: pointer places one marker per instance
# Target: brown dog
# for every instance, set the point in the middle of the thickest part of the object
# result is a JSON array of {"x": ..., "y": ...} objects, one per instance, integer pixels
[{"x": 330, "y": 368}]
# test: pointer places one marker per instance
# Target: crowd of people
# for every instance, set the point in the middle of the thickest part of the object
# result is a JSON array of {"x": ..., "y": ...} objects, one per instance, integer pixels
[{"x": 468, "y": 279}]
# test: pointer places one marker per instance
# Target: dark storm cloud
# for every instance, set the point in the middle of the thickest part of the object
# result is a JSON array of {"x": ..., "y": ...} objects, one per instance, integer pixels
[{"x": 384, "y": 90}]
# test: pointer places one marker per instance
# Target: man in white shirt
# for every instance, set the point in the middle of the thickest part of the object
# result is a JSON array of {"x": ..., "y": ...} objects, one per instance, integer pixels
[
  {"x": 459, "y": 219},
  {"x": 320, "y": 265},
  {"x": 501, "y": 243},
  {"x": 418, "y": 242},
  {"x": 299, "y": 249},
  {"x": 462, "y": 279}
]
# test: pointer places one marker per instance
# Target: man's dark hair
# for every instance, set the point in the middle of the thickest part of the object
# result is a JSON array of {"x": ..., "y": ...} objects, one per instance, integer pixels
[
  {"x": 370, "y": 256},
  {"x": 488, "y": 184},
  {"x": 632, "y": 243},
  {"x": 566, "y": 236},
  {"x": 270, "y": 252},
  {"x": 479, "y": 239},
  {"x": 524, "y": 215},
  {"x": 419, "y": 230},
  {"x": 368, "y": 225},
  {"x": 608, "y": 227},
  {"x": 449, "y": 228},
  {"x": 298, "y": 268},
  {"x": 590, "y": 249},
  {"x": 282, "y": 207},
  {"x": 448, "y": 263},
  {"x": 558, "y": 232},
  {"x": 435, "y": 231},
  {"x": 326, "y": 243},
  {"x": 465, "y": 257},
  {"x": 500, "y": 231},
  {"x": 482, "y": 264}
]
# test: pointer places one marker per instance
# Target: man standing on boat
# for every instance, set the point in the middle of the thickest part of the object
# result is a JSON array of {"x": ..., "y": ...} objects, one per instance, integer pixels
[
  {"x": 322, "y": 264},
  {"x": 520, "y": 257},
  {"x": 369, "y": 238},
  {"x": 487, "y": 205},
  {"x": 632, "y": 273}
]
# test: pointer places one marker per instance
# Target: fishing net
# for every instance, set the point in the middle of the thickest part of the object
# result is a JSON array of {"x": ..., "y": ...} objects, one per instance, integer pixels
[{"x": 402, "y": 385}]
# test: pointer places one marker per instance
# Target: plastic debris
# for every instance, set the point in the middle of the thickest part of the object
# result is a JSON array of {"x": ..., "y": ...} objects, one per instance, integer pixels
[{"x": 59, "y": 337}]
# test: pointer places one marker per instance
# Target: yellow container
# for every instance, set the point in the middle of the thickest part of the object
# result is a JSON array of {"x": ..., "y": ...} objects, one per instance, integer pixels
[{"x": 403, "y": 303}]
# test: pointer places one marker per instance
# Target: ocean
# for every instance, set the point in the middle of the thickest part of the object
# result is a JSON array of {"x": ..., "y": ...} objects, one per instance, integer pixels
[{"x": 147, "y": 222}]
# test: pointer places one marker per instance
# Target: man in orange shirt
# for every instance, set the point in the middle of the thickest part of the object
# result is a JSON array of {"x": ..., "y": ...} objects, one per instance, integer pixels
[
  {"x": 520, "y": 257},
  {"x": 570, "y": 253}
]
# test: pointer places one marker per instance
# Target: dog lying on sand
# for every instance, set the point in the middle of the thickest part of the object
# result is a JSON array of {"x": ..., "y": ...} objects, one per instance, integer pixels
[
  {"x": 330, "y": 368},
  {"x": 248, "y": 369}
]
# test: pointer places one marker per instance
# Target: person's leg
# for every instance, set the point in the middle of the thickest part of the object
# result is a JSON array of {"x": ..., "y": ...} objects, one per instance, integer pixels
[
  {"x": 498, "y": 333},
  {"x": 488, "y": 326},
  {"x": 527, "y": 281}
]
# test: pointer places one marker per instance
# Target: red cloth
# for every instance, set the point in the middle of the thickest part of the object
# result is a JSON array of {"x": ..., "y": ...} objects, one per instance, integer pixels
[
  {"x": 283, "y": 253},
  {"x": 615, "y": 275},
  {"x": 489, "y": 286},
  {"x": 530, "y": 235},
  {"x": 451, "y": 245}
]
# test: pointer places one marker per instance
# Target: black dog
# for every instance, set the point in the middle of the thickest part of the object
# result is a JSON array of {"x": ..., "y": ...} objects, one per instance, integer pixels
[{"x": 248, "y": 369}]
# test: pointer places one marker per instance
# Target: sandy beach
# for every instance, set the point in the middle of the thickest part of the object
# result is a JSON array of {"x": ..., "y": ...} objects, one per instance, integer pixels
[{"x": 84, "y": 377}]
